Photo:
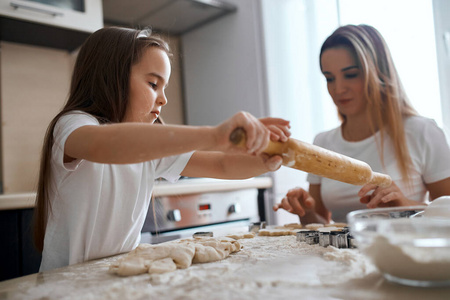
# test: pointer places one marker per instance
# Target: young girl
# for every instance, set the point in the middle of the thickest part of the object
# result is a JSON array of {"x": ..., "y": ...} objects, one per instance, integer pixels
[
  {"x": 379, "y": 126},
  {"x": 102, "y": 152}
]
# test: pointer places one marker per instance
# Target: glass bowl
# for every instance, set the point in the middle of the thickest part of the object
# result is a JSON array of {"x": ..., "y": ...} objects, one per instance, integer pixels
[{"x": 406, "y": 246}]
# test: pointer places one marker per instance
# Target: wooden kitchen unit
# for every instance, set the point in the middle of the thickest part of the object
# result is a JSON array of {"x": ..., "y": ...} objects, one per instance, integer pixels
[{"x": 265, "y": 268}]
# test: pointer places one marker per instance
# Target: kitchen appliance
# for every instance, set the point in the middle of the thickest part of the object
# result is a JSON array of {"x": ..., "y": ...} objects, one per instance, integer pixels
[{"x": 200, "y": 207}]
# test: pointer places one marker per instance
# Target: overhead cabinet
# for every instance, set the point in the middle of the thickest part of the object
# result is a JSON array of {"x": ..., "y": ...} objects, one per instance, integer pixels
[
  {"x": 171, "y": 16},
  {"x": 51, "y": 23}
]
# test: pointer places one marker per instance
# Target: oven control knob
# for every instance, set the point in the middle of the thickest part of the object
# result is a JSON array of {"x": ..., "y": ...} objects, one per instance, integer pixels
[
  {"x": 234, "y": 208},
  {"x": 174, "y": 215}
]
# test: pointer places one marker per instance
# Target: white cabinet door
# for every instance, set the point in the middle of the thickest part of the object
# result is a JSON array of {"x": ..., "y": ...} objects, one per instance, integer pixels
[{"x": 88, "y": 20}]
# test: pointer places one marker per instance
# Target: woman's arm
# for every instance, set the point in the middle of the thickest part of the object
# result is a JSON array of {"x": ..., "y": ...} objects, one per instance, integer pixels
[{"x": 439, "y": 188}]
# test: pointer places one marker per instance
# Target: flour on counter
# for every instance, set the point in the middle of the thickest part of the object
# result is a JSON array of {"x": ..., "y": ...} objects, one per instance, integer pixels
[{"x": 265, "y": 268}]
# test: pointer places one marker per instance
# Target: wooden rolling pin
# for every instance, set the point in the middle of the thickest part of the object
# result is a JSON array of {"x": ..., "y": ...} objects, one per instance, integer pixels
[{"x": 319, "y": 161}]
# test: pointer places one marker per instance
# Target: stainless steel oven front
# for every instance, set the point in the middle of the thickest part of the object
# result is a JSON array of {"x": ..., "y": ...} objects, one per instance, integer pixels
[{"x": 183, "y": 213}]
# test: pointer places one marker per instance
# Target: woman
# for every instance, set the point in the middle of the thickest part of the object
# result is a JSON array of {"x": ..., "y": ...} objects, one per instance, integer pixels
[{"x": 379, "y": 126}]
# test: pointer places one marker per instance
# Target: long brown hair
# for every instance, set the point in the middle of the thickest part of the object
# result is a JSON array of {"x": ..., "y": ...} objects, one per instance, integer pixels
[
  {"x": 387, "y": 103},
  {"x": 99, "y": 87}
]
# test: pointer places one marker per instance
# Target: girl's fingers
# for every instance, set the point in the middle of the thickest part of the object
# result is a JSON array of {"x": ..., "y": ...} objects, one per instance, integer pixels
[{"x": 273, "y": 163}]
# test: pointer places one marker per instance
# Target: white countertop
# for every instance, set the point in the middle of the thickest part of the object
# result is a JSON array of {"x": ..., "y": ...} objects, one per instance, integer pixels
[
  {"x": 161, "y": 188},
  {"x": 265, "y": 268}
]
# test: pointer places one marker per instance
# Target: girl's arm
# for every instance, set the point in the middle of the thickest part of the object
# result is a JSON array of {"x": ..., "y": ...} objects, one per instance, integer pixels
[
  {"x": 126, "y": 143},
  {"x": 229, "y": 166}
]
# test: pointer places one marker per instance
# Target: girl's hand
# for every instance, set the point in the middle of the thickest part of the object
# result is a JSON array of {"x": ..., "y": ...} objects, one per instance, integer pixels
[
  {"x": 258, "y": 135},
  {"x": 383, "y": 197},
  {"x": 279, "y": 128},
  {"x": 297, "y": 201}
]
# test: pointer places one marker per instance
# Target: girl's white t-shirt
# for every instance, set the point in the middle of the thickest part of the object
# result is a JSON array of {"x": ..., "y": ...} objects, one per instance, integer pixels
[
  {"x": 427, "y": 146},
  {"x": 98, "y": 210}
]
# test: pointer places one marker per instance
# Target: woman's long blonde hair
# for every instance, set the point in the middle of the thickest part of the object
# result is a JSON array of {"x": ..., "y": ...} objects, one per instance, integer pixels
[
  {"x": 387, "y": 103},
  {"x": 99, "y": 87}
]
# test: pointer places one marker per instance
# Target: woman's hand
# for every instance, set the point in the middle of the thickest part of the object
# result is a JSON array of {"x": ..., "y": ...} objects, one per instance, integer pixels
[
  {"x": 383, "y": 197},
  {"x": 297, "y": 201}
]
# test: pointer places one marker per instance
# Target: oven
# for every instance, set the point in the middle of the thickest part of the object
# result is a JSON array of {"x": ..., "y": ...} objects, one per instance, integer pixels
[{"x": 204, "y": 205}]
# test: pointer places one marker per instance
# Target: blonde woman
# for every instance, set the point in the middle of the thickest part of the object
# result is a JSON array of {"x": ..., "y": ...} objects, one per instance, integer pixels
[{"x": 379, "y": 126}]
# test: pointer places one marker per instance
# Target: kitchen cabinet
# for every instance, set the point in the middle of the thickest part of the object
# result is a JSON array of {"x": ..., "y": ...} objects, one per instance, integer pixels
[
  {"x": 175, "y": 17},
  {"x": 57, "y": 24},
  {"x": 19, "y": 257}
]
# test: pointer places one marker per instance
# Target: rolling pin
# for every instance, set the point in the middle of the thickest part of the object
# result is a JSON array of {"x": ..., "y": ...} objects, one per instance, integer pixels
[{"x": 319, "y": 161}]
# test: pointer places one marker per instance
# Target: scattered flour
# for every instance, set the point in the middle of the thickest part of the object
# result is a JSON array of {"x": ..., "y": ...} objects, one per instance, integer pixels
[{"x": 267, "y": 267}]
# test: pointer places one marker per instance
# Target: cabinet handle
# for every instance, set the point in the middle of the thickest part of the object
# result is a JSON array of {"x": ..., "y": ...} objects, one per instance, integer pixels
[{"x": 41, "y": 10}]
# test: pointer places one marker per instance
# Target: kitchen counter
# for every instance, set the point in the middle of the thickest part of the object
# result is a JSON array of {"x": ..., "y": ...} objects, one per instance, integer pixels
[
  {"x": 161, "y": 188},
  {"x": 265, "y": 268}
]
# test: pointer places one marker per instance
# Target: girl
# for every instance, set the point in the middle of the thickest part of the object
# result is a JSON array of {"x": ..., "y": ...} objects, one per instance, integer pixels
[
  {"x": 379, "y": 126},
  {"x": 102, "y": 152}
]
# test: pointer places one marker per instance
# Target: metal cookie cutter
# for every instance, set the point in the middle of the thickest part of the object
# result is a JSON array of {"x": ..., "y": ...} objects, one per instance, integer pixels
[
  {"x": 302, "y": 234},
  {"x": 202, "y": 234},
  {"x": 256, "y": 226},
  {"x": 312, "y": 238},
  {"x": 324, "y": 238}
]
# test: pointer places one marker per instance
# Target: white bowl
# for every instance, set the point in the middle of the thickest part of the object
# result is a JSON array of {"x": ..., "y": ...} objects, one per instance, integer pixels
[{"x": 412, "y": 251}]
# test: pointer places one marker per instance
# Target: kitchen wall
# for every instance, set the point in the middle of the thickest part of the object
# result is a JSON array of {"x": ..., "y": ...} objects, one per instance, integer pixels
[{"x": 34, "y": 86}]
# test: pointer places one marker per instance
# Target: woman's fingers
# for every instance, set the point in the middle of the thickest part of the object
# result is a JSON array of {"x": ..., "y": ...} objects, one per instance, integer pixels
[
  {"x": 296, "y": 201},
  {"x": 365, "y": 189}
]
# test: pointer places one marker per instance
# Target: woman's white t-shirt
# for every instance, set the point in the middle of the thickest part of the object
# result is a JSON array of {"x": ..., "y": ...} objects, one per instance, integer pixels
[
  {"x": 98, "y": 210},
  {"x": 427, "y": 146}
]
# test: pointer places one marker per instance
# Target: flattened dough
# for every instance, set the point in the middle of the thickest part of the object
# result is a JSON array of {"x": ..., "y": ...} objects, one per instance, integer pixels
[
  {"x": 276, "y": 232},
  {"x": 169, "y": 256},
  {"x": 243, "y": 235}
]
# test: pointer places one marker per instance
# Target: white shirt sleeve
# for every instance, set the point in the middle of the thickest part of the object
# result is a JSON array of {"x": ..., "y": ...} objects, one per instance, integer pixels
[
  {"x": 429, "y": 149},
  {"x": 63, "y": 128}
]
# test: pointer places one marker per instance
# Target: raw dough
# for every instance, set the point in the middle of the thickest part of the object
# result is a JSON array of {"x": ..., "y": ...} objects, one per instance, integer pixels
[
  {"x": 290, "y": 226},
  {"x": 134, "y": 265},
  {"x": 243, "y": 235},
  {"x": 169, "y": 256},
  {"x": 162, "y": 266},
  {"x": 336, "y": 225},
  {"x": 276, "y": 232},
  {"x": 314, "y": 226}
]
